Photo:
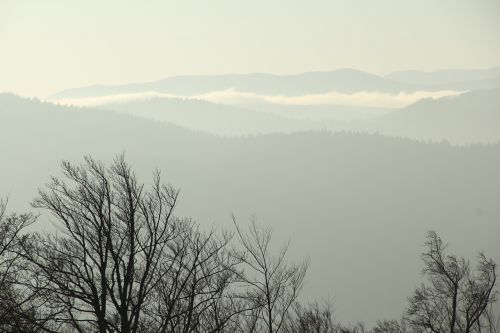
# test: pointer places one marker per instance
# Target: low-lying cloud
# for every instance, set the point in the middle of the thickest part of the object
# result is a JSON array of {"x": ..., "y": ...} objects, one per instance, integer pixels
[
  {"x": 368, "y": 99},
  {"x": 235, "y": 97}
]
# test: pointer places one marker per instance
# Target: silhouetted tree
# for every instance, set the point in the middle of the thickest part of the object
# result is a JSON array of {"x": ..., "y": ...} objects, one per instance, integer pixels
[
  {"x": 272, "y": 284},
  {"x": 390, "y": 326},
  {"x": 313, "y": 318},
  {"x": 455, "y": 299},
  {"x": 16, "y": 313},
  {"x": 490, "y": 321},
  {"x": 97, "y": 273},
  {"x": 195, "y": 293}
]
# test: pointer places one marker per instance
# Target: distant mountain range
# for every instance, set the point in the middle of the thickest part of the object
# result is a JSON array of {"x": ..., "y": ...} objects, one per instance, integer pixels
[
  {"x": 467, "y": 118},
  {"x": 342, "y": 80},
  {"x": 473, "y": 117},
  {"x": 462, "y": 79},
  {"x": 231, "y": 120},
  {"x": 365, "y": 194},
  {"x": 340, "y": 100}
]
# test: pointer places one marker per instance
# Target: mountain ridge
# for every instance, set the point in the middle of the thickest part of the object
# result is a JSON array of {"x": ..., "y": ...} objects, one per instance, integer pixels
[
  {"x": 345, "y": 80},
  {"x": 322, "y": 190},
  {"x": 253, "y": 82}
]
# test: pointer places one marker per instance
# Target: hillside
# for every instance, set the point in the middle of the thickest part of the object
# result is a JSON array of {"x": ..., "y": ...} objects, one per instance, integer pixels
[
  {"x": 467, "y": 118},
  {"x": 342, "y": 80},
  {"x": 219, "y": 119},
  {"x": 461, "y": 79},
  {"x": 472, "y": 117},
  {"x": 332, "y": 194}
]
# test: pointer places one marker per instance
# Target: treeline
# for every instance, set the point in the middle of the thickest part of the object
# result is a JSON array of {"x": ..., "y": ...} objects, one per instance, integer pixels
[{"x": 120, "y": 260}]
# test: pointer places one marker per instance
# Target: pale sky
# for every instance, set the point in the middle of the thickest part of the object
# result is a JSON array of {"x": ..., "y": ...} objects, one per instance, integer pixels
[{"x": 50, "y": 45}]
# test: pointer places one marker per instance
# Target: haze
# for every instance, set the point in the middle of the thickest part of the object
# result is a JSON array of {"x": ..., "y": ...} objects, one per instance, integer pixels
[
  {"x": 352, "y": 128},
  {"x": 78, "y": 43}
]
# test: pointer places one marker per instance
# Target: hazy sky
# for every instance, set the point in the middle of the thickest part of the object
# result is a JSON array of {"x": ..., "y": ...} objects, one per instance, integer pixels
[{"x": 49, "y": 45}]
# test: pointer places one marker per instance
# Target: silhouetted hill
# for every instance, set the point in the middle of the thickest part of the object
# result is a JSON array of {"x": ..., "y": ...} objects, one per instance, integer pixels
[
  {"x": 320, "y": 112},
  {"x": 343, "y": 80},
  {"x": 461, "y": 79},
  {"x": 213, "y": 118},
  {"x": 346, "y": 200},
  {"x": 467, "y": 118},
  {"x": 261, "y": 118}
]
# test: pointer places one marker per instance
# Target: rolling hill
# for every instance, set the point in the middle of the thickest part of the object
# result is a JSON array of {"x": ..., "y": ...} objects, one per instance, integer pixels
[
  {"x": 342, "y": 80},
  {"x": 472, "y": 117},
  {"x": 351, "y": 199},
  {"x": 460, "y": 79},
  {"x": 464, "y": 119}
]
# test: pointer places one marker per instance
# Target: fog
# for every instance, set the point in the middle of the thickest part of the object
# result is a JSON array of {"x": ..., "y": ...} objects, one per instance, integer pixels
[
  {"x": 357, "y": 204},
  {"x": 231, "y": 96},
  {"x": 350, "y": 130}
]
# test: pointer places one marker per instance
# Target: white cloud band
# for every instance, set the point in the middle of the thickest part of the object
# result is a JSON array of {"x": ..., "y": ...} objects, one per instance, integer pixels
[{"x": 233, "y": 97}]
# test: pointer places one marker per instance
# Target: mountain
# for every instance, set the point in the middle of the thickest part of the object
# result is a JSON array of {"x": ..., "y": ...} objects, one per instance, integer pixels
[
  {"x": 345, "y": 200},
  {"x": 467, "y": 118},
  {"x": 219, "y": 119},
  {"x": 326, "y": 113},
  {"x": 229, "y": 120},
  {"x": 343, "y": 80},
  {"x": 454, "y": 79}
]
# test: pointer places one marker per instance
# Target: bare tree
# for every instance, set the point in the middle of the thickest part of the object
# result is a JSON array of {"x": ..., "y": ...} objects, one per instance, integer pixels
[
  {"x": 272, "y": 283},
  {"x": 455, "y": 299},
  {"x": 390, "y": 326},
  {"x": 490, "y": 322},
  {"x": 313, "y": 318},
  {"x": 15, "y": 311},
  {"x": 98, "y": 271},
  {"x": 196, "y": 292}
]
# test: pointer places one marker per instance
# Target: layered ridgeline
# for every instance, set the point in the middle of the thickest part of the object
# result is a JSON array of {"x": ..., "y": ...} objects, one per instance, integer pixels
[
  {"x": 458, "y": 106},
  {"x": 342, "y": 80},
  {"x": 345, "y": 200},
  {"x": 472, "y": 117},
  {"x": 241, "y": 120},
  {"x": 461, "y": 79}
]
